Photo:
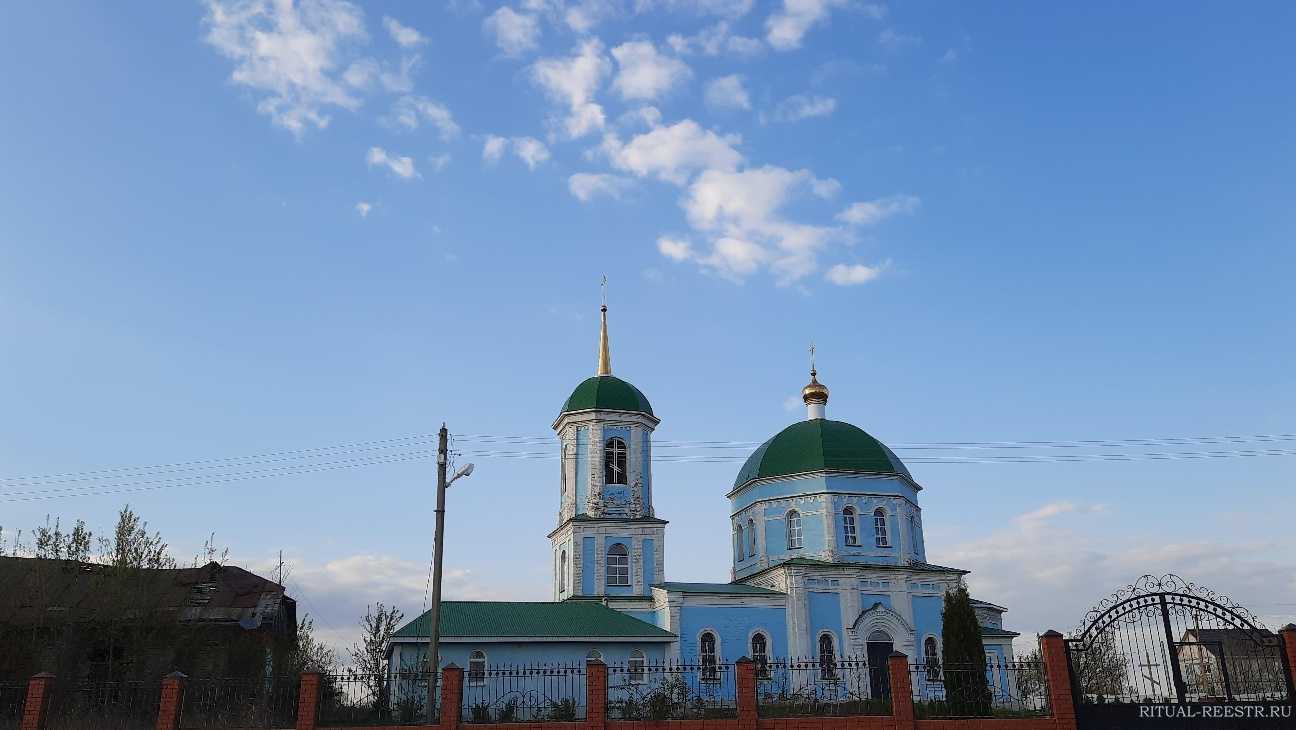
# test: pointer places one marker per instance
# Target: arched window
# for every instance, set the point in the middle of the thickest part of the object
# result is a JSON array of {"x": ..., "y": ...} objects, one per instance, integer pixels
[
  {"x": 751, "y": 538},
  {"x": 793, "y": 530},
  {"x": 848, "y": 526},
  {"x": 931, "y": 659},
  {"x": 477, "y": 667},
  {"x": 635, "y": 667},
  {"x": 913, "y": 533},
  {"x": 880, "y": 528},
  {"x": 707, "y": 657},
  {"x": 738, "y": 542},
  {"x": 827, "y": 657},
  {"x": 614, "y": 461},
  {"x": 594, "y": 655},
  {"x": 618, "y": 565},
  {"x": 760, "y": 654}
]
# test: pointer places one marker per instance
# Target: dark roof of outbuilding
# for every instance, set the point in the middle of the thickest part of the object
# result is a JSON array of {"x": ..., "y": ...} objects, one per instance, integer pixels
[
  {"x": 36, "y": 588},
  {"x": 548, "y": 620}
]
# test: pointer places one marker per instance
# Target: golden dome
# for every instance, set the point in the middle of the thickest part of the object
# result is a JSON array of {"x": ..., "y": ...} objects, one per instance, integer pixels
[{"x": 815, "y": 392}]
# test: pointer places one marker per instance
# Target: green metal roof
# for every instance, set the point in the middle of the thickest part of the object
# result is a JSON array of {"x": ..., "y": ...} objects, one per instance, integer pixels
[
  {"x": 725, "y": 588},
  {"x": 607, "y": 393},
  {"x": 534, "y": 619},
  {"x": 820, "y": 445}
]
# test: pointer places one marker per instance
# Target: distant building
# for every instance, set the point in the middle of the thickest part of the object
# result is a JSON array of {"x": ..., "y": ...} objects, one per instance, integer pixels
[
  {"x": 829, "y": 558},
  {"x": 85, "y": 621},
  {"x": 1236, "y": 663}
]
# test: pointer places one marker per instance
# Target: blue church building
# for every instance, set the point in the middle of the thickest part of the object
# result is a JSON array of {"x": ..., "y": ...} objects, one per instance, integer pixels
[{"x": 829, "y": 558}]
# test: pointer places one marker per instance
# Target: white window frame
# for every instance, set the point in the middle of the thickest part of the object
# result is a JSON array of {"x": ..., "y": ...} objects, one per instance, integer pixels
[
  {"x": 476, "y": 679},
  {"x": 850, "y": 527},
  {"x": 828, "y": 670},
  {"x": 708, "y": 671},
  {"x": 608, "y": 575},
  {"x": 751, "y": 538},
  {"x": 594, "y": 655},
  {"x": 913, "y": 534},
  {"x": 616, "y": 458},
  {"x": 795, "y": 535},
  {"x": 636, "y": 667},
  {"x": 761, "y": 660},
  {"x": 881, "y": 538},
  {"x": 562, "y": 572},
  {"x": 738, "y": 541},
  {"x": 932, "y": 662}
]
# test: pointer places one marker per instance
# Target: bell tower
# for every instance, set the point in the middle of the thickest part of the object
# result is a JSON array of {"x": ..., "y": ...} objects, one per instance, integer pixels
[{"x": 609, "y": 540}]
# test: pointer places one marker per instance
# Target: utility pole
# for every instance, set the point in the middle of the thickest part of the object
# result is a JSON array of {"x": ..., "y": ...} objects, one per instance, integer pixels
[{"x": 434, "y": 614}]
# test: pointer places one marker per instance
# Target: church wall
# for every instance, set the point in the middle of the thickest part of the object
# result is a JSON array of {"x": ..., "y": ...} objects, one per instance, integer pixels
[
  {"x": 868, "y": 599},
  {"x": 551, "y": 652},
  {"x": 589, "y": 563},
  {"x": 825, "y": 615},
  {"x": 814, "y": 538},
  {"x": 844, "y": 483},
  {"x": 733, "y": 626},
  {"x": 927, "y": 619},
  {"x": 582, "y": 468},
  {"x": 629, "y": 542},
  {"x": 649, "y": 564},
  {"x": 645, "y": 461}
]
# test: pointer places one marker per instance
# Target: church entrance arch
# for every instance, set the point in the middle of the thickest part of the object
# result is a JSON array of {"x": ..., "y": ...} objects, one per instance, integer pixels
[{"x": 879, "y": 647}]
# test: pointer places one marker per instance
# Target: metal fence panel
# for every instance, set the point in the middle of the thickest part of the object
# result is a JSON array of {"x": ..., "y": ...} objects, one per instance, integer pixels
[
  {"x": 104, "y": 706},
  {"x": 375, "y": 699},
  {"x": 822, "y": 686},
  {"x": 991, "y": 689},
  {"x": 671, "y": 691},
  {"x": 524, "y": 693}
]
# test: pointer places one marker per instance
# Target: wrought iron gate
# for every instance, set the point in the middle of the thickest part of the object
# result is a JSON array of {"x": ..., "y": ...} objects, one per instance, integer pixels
[{"x": 1167, "y": 652}]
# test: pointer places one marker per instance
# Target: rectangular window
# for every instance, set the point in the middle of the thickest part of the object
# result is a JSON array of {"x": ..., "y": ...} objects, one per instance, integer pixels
[
  {"x": 618, "y": 567},
  {"x": 848, "y": 527}
]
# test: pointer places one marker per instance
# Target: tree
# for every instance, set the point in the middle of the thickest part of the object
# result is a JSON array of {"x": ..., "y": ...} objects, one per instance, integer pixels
[
  {"x": 369, "y": 655},
  {"x": 966, "y": 688},
  {"x": 310, "y": 654},
  {"x": 133, "y": 547},
  {"x": 52, "y": 543},
  {"x": 1100, "y": 667}
]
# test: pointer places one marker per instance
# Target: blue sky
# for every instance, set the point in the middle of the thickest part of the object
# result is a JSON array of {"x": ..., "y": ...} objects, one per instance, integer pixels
[{"x": 231, "y": 228}]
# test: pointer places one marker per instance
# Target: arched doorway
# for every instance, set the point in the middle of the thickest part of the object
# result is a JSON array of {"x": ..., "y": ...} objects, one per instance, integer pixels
[{"x": 879, "y": 646}]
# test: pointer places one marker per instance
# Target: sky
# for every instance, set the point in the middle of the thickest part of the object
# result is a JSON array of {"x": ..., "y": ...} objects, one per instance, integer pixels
[{"x": 244, "y": 227}]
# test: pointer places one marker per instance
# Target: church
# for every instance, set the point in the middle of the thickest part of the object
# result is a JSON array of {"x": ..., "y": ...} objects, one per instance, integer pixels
[{"x": 829, "y": 559}]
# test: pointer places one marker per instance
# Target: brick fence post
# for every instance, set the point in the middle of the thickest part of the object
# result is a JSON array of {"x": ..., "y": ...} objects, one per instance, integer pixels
[
  {"x": 37, "y": 703},
  {"x": 595, "y": 695},
  {"x": 1057, "y": 671},
  {"x": 172, "y": 700},
  {"x": 308, "y": 701},
  {"x": 902, "y": 701},
  {"x": 451, "y": 696},
  {"x": 1287, "y": 638},
  {"x": 745, "y": 686}
]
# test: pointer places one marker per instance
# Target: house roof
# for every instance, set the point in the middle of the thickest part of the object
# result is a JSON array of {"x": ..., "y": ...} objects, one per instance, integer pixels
[
  {"x": 526, "y": 620},
  {"x": 718, "y": 588},
  {"x": 37, "y": 588},
  {"x": 989, "y": 631},
  {"x": 987, "y": 604}
]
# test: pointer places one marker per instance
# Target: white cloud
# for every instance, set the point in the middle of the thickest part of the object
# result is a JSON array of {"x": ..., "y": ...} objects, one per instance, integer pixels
[
  {"x": 724, "y": 8},
  {"x": 672, "y": 153},
  {"x": 366, "y": 74},
  {"x": 583, "y": 15},
  {"x": 439, "y": 162},
  {"x": 515, "y": 33},
  {"x": 675, "y": 249},
  {"x": 1052, "y": 563},
  {"x": 785, "y": 29},
  {"x": 405, "y": 36},
  {"x": 410, "y": 112},
  {"x": 871, "y": 212},
  {"x": 585, "y": 186},
  {"x": 798, "y": 107},
  {"x": 852, "y": 274},
  {"x": 892, "y": 40},
  {"x": 727, "y": 92},
  {"x": 572, "y": 81},
  {"x": 363, "y": 208},
  {"x": 290, "y": 53},
  {"x": 531, "y": 151},
  {"x": 825, "y": 188},
  {"x": 741, "y": 213},
  {"x": 645, "y": 73},
  {"x": 402, "y": 167},
  {"x": 493, "y": 148},
  {"x": 715, "y": 40}
]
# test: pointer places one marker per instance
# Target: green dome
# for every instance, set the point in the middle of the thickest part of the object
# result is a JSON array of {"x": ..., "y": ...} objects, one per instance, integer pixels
[
  {"x": 607, "y": 393},
  {"x": 820, "y": 445}
]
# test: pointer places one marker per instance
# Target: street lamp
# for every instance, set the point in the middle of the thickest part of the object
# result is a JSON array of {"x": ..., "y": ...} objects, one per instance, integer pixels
[{"x": 434, "y": 614}]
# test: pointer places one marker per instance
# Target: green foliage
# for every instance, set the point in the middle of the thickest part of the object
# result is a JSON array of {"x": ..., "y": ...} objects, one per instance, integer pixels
[
  {"x": 133, "y": 547},
  {"x": 1100, "y": 667},
  {"x": 479, "y": 712},
  {"x": 563, "y": 710},
  {"x": 966, "y": 689}
]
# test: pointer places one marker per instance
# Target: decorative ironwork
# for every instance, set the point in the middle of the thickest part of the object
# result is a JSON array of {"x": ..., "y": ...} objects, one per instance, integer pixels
[
  {"x": 641, "y": 690},
  {"x": 354, "y": 698},
  {"x": 1012, "y": 689},
  {"x": 525, "y": 693},
  {"x": 241, "y": 703},
  {"x": 1170, "y": 640},
  {"x": 823, "y": 686},
  {"x": 104, "y": 705}
]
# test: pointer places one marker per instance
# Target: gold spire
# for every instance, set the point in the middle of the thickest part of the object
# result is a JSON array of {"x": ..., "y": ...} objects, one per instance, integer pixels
[
  {"x": 815, "y": 392},
  {"x": 605, "y": 355}
]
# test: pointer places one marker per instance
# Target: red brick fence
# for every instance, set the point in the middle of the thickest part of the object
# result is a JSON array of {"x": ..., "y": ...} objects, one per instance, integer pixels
[{"x": 902, "y": 715}]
